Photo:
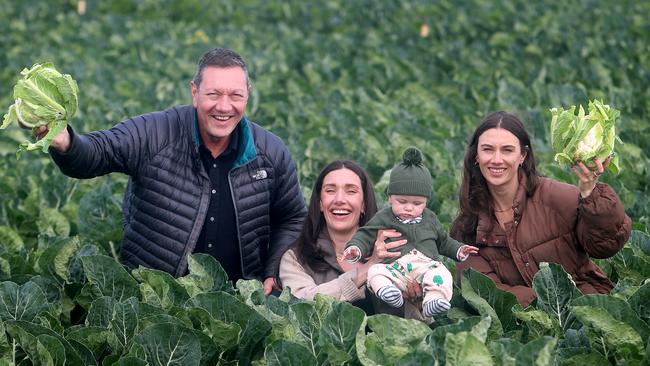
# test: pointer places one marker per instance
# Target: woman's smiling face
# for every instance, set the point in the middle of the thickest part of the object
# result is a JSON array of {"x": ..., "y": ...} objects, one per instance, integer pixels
[
  {"x": 499, "y": 155},
  {"x": 341, "y": 200}
]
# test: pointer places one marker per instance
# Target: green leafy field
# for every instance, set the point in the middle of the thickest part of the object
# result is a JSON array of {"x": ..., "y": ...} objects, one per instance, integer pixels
[{"x": 335, "y": 79}]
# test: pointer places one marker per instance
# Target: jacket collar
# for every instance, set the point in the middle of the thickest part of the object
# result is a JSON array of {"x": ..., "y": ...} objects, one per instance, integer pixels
[
  {"x": 246, "y": 149},
  {"x": 326, "y": 247}
]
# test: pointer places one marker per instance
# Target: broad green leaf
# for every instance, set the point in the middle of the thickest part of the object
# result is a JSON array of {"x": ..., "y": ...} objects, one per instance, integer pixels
[
  {"x": 100, "y": 312},
  {"x": 205, "y": 274},
  {"x": 252, "y": 291},
  {"x": 4, "y": 343},
  {"x": 339, "y": 330},
  {"x": 437, "y": 338},
  {"x": 54, "y": 260},
  {"x": 555, "y": 290},
  {"x": 229, "y": 309},
  {"x": 124, "y": 322},
  {"x": 51, "y": 222},
  {"x": 464, "y": 348},
  {"x": 391, "y": 338},
  {"x": 225, "y": 335},
  {"x": 49, "y": 351},
  {"x": 618, "y": 309},
  {"x": 504, "y": 351},
  {"x": 5, "y": 269},
  {"x": 49, "y": 321},
  {"x": 392, "y": 329},
  {"x": 640, "y": 304},
  {"x": 641, "y": 240},
  {"x": 165, "y": 288},
  {"x": 109, "y": 278},
  {"x": 130, "y": 361},
  {"x": 10, "y": 241},
  {"x": 281, "y": 353},
  {"x": 99, "y": 215},
  {"x": 591, "y": 358},
  {"x": 621, "y": 338},
  {"x": 478, "y": 302},
  {"x": 145, "y": 321},
  {"x": 75, "y": 270},
  {"x": 169, "y": 344},
  {"x": 537, "y": 322},
  {"x": 306, "y": 319},
  {"x": 27, "y": 336},
  {"x": 416, "y": 358},
  {"x": 93, "y": 338},
  {"x": 538, "y": 352},
  {"x": 21, "y": 302}
]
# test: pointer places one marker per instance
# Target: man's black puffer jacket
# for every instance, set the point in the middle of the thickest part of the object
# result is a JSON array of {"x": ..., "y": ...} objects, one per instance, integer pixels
[{"x": 166, "y": 203}]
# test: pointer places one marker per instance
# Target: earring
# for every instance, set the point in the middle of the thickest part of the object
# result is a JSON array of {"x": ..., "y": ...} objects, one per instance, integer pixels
[{"x": 475, "y": 162}]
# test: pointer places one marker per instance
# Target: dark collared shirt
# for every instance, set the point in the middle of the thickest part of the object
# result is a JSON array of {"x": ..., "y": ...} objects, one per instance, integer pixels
[{"x": 219, "y": 234}]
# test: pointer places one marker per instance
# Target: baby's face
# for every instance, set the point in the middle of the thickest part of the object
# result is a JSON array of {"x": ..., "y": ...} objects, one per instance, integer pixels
[{"x": 407, "y": 207}]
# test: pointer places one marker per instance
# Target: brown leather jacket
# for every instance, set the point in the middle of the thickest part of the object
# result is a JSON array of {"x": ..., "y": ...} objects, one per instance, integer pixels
[{"x": 553, "y": 225}]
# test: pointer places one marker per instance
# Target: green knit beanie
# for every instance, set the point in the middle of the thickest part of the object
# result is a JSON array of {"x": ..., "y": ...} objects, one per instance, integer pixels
[{"x": 410, "y": 177}]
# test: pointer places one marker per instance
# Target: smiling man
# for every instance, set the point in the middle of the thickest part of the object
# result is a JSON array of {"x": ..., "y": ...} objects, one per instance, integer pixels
[{"x": 203, "y": 178}]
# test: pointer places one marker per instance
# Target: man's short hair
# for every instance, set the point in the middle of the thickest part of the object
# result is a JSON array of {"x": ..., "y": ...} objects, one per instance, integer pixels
[{"x": 220, "y": 57}]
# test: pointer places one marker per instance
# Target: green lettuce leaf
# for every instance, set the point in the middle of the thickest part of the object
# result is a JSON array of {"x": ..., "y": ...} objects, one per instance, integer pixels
[
  {"x": 43, "y": 96},
  {"x": 585, "y": 136}
]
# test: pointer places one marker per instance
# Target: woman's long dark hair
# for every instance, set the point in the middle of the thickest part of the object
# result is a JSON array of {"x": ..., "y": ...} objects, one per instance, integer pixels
[
  {"x": 474, "y": 195},
  {"x": 305, "y": 246}
]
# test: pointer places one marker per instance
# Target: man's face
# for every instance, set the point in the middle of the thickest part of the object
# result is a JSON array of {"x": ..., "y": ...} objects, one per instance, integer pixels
[{"x": 220, "y": 101}]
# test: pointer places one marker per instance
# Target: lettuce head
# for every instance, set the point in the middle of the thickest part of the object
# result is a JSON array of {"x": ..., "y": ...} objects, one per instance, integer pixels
[
  {"x": 43, "y": 96},
  {"x": 584, "y": 136}
]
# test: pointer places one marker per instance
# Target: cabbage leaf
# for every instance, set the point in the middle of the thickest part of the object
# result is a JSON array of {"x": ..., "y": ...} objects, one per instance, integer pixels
[
  {"x": 43, "y": 96},
  {"x": 585, "y": 136}
]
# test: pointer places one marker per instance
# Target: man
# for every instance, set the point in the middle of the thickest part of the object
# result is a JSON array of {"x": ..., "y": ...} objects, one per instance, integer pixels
[{"x": 202, "y": 178}]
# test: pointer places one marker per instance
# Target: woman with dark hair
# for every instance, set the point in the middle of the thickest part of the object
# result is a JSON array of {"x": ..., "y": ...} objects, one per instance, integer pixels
[
  {"x": 519, "y": 219},
  {"x": 342, "y": 200}
]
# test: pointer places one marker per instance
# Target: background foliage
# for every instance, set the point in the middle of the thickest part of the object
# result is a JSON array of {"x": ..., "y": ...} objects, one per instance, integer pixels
[{"x": 335, "y": 79}]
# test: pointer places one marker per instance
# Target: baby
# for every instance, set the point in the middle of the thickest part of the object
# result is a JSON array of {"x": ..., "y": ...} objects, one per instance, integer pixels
[{"x": 409, "y": 188}]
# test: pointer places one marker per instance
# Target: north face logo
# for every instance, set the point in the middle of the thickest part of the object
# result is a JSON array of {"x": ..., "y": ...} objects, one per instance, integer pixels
[{"x": 260, "y": 174}]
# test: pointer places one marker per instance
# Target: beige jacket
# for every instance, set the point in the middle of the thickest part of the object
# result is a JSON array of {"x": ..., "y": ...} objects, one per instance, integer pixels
[{"x": 305, "y": 283}]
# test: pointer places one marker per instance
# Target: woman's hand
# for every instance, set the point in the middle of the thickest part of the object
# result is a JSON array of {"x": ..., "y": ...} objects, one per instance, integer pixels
[
  {"x": 381, "y": 250},
  {"x": 587, "y": 178}
]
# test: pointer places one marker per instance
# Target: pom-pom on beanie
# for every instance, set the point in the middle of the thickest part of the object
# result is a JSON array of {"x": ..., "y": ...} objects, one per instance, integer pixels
[{"x": 410, "y": 177}]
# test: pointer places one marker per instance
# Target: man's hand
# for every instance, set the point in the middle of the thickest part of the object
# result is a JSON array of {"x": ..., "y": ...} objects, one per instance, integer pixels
[
  {"x": 269, "y": 285},
  {"x": 61, "y": 142}
]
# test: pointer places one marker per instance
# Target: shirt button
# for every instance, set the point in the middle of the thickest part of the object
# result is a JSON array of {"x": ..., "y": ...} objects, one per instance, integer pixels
[
  {"x": 526, "y": 264},
  {"x": 214, "y": 191},
  {"x": 214, "y": 165},
  {"x": 497, "y": 242},
  {"x": 209, "y": 245},
  {"x": 516, "y": 222},
  {"x": 211, "y": 218}
]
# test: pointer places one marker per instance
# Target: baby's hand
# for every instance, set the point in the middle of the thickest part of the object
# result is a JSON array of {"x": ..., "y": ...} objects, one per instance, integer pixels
[
  {"x": 352, "y": 254},
  {"x": 465, "y": 251}
]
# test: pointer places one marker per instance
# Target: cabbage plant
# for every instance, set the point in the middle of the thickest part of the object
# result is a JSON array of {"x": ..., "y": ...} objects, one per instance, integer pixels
[
  {"x": 585, "y": 136},
  {"x": 43, "y": 96}
]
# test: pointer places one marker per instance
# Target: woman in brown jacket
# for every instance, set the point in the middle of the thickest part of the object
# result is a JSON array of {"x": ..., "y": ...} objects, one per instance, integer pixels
[{"x": 519, "y": 219}]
